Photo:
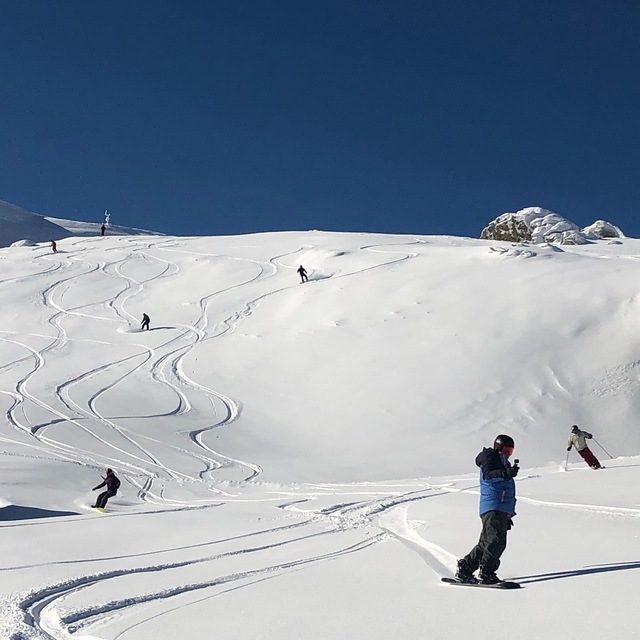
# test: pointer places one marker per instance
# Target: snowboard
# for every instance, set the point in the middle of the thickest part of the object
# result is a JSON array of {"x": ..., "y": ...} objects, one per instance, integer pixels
[
  {"x": 100, "y": 509},
  {"x": 499, "y": 585}
]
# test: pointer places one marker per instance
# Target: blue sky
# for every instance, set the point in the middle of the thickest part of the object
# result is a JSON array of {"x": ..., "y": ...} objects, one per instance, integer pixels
[{"x": 395, "y": 116}]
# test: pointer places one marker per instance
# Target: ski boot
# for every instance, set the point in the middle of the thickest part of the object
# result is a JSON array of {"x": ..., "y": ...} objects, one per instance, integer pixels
[
  {"x": 489, "y": 577},
  {"x": 464, "y": 573}
]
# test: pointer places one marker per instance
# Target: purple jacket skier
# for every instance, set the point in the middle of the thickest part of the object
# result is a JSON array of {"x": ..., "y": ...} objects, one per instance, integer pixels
[{"x": 112, "y": 482}]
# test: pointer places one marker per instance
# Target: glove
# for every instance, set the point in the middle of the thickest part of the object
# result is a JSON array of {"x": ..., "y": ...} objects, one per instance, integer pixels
[
  {"x": 568, "y": 448},
  {"x": 510, "y": 523},
  {"x": 588, "y": 436},
  {"x": 512, "y": 472}
]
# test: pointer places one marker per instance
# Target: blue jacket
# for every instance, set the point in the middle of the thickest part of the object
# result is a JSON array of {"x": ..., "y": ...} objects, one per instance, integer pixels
[{"x": 497, "y": 490}]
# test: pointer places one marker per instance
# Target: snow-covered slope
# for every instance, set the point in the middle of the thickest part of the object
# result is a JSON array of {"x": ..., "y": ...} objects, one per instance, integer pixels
[
  {"x": 298, "y": 458},
  {"x": 17, "y": 224},
  {"x": 25, "y": 227}
]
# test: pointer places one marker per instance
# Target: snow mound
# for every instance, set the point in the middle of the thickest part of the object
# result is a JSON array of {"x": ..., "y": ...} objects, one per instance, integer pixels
[{"x": 316, "y": 255}]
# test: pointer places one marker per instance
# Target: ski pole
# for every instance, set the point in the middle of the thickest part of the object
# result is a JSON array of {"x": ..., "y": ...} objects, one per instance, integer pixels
[{"x": 603, "y": 448}]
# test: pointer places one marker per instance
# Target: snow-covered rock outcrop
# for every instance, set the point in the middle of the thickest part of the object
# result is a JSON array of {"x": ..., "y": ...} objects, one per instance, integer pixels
[
  {"x": 603, "y": 229},
  {"x": 538, "y": 225}
]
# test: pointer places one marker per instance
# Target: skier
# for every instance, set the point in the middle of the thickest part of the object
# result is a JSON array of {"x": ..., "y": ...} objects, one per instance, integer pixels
[
  {"x": 578, "y": 440},
  {"x": 303, "y": 274},
  {"x": 102, "y": 230},
  {"x": 54, "y": 247},
  {"x": 497, "y": 508},
  {"x": 112, "y": 483},
  {"x": 145, "y": 322}
]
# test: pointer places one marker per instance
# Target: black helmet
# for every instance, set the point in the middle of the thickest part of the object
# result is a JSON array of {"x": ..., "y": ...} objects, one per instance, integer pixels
[
  {"x": 575, "y": 428},
  {"x": 503, "y": 441}
]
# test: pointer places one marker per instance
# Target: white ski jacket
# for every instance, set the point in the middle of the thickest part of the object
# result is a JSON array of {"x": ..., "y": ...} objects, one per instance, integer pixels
[{"x": 579, "y": 440}]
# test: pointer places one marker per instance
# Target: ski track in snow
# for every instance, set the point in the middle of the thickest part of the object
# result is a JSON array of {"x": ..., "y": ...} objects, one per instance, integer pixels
[
  {"x": 165, "y": 369},
  {"x": 47, "y": 610}
]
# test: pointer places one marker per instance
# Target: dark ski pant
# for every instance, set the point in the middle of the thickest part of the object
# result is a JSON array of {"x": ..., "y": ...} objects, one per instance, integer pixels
[
  {"x": 493, "y": 541},
  {"x": 145, "y": 325},
  {"x": 103, "y": 497},
  {"x": 589, "y": 458}
]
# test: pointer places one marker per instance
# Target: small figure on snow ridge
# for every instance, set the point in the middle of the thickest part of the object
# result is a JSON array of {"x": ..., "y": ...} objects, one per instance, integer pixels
[
  {"x": 303, "y": 273},
  {"x": 112, "y": 482},
  {"x": 497, "y": 508},
  {"x": 102, "y": 230},
  {"x": 54, "y": 246},
  {"x": 145, "y": 322},
  {"x": 578, "y": 439}
]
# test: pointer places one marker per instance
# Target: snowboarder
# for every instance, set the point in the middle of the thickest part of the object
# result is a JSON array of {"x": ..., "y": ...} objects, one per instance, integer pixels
[
  {"x": 578, "y": 440},
  {"x": 497, "y": 508},
  {"x": 112, "y": 482},
  {"x": 145, "y": 322},
  {"x": 303, "y": 273},
  {"x": 102, "y": 230},
  {"x": 54, "y": 247}
]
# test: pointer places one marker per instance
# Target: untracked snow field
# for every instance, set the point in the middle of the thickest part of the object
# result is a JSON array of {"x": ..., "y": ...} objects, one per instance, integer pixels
[{"x": 297, "y": 460}]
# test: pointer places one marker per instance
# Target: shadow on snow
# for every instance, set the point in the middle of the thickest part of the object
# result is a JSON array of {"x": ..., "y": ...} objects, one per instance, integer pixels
[
  {"x": 16, "y": 512},
  {"x": 559, "y": 575}
]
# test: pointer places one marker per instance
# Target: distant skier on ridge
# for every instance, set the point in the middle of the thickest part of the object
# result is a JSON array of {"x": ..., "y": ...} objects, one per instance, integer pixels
[
  {"x": 112, "y": 482},
  {"x": 303, "y": 274},
  {"x": 578, "y": 440},
  {"x": 145, "y": 322},
  {"x": 497, "y": 508}
]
